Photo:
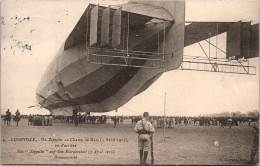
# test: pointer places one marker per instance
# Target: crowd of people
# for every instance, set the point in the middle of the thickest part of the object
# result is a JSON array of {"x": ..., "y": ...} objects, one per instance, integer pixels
[
  {"x": 87, "y": 119},
  {"x": 144, "y": 125},
  {"x": 158, "y": 121},
  {"x": 172, "y": 121},
  {"x": 79, "y": 118},
  {"x": 40, "y": 120},
  {"x": 35, "y": 120}
]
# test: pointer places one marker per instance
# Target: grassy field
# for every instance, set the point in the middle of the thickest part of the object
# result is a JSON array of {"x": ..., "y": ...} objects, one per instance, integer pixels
[{"x": 103, "y": 144}]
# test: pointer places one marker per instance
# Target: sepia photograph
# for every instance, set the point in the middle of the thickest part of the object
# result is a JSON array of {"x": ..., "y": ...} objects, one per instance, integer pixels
[{"x": 128, "y": 82}]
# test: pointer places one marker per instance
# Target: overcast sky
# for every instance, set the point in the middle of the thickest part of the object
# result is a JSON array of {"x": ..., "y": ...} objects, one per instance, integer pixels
[{"x": 44, "y": 25}]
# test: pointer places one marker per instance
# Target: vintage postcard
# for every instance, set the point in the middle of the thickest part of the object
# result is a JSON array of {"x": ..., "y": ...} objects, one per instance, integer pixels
[{"x": 129, "y": 82}]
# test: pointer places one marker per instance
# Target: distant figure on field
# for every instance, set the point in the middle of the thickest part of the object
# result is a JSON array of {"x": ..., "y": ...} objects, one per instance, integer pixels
[
  {"x": 50, "y": 120},
  {"x": 75, "y": 115},
  {"x": 230, "y": 123},
  {"x": 17, "y": 117},
  {"x": 30, "y": 119},
  {"x": 173, "y": 122},
  {"x": 4, "y": 120},
  {"x": 34, "y": 119},
  {"x": 249, "y": 122},
  {"x": 145, "y": 129},
  {"x": 115, "y": 121},
  {"x": 8, "y": 117},
  {"x": 45, "y": 120}
]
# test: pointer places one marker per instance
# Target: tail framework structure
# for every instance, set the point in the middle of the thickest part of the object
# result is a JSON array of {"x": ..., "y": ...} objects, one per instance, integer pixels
[
  {"x": 112, "y": 54},
  {"x": 242, "y": 43}
]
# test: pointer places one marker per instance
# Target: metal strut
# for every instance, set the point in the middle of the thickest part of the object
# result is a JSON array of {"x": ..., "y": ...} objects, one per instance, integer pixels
[
  {"x": 127, "y": 35},
  {"x": 213, "y": 66},
  {"x": 127, "y": 40},
  {"x": 212, "y": 44},
  {"x": 217, "y": 48},
  {"x": 217, "y": 44}
]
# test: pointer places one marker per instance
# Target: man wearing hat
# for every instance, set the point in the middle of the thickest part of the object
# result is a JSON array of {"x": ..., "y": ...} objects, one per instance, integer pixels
[
  {"x": 75, "y": 116},
  {"x": 145, "y": 129}
]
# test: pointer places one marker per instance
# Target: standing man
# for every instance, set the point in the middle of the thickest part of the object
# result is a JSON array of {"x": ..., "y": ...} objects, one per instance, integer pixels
[
  {"x": 75, "y": 115},
  {"x": 50, "y": 120},
  {"x": 115, "y": 121},
  {"x": 230, "y": 122},
  {"x": 45, "y": 120},
  {"x": 249, "y": 122},
  {"x": 145, "y": 129},
  {"x": 17, "y": 117},
  {"x": 8, "y": 117},
  {"x": 30, "y": 119},
  {"x": 4, "y": 119}
]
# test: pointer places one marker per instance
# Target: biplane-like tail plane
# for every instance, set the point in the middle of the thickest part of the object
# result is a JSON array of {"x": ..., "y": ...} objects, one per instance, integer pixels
[{"x": 116, "y": 52}]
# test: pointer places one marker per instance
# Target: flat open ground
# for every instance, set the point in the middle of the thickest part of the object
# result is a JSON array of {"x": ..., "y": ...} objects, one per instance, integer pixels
[{"x": 103, "y": 144}]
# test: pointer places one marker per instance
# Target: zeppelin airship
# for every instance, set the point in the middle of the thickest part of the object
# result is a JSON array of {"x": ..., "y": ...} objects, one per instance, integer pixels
[{"x": 116, "y": 52}]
